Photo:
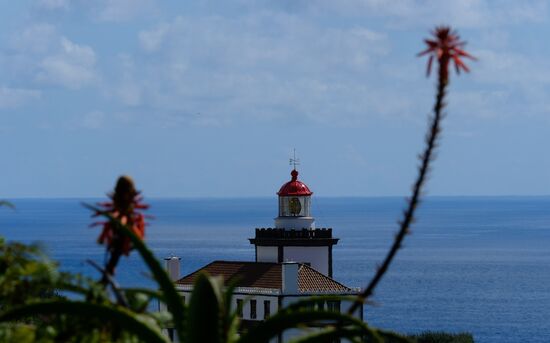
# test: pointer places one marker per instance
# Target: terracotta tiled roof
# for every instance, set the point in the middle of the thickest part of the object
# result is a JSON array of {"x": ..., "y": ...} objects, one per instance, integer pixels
[
  {"x": 244, "y": 274},
  {"x": 266, "y": 275},
  {"x": 310, "y": 280}
]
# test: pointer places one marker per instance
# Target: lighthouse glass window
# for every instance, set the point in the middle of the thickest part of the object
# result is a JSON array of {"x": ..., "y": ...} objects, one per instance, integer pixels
[{"x": 294, "y": 206}]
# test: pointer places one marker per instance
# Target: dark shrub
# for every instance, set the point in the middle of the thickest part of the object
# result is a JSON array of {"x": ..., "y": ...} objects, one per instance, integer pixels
[{"x": 443, "y": 337}]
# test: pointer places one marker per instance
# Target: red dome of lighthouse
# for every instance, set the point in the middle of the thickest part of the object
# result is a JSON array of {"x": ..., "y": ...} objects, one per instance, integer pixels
[{"x": 294, "y": 187}]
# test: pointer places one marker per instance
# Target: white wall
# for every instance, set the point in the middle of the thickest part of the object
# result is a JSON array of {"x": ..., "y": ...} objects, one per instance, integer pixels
[
  {"x": 267, "y": 254},
  {"x": 317, "y": 257},
  {"x": 297, "y": 223},
  {"x": 187, "y": 296}
]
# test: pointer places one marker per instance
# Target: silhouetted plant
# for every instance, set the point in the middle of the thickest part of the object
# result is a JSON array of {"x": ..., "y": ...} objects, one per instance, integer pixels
[{"x": 124, "y": 206}]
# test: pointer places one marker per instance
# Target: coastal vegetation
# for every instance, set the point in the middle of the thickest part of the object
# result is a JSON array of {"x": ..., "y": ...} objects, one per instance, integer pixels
[
  {"x": 38, "y": 303},
  {"x": 442, "y": 337}
]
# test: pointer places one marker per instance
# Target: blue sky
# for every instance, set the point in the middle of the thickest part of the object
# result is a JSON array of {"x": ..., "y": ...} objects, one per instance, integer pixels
[{"x": 208, "y": 98}]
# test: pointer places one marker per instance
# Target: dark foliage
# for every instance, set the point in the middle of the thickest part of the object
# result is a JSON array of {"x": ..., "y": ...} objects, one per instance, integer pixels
[{"x": 443, "y": 337}]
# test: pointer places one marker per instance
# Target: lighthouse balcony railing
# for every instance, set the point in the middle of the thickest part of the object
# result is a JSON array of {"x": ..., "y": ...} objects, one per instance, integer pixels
[{"x": 293, "y": 234}]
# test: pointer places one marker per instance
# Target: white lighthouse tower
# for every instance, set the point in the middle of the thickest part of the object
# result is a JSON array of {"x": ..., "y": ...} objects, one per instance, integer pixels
[{"x": 294, "y": 236}]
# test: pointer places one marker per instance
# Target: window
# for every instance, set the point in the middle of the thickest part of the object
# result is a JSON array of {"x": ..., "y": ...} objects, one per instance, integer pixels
[
  {"x": 333, "y": 305},
  {"x": 267, "y": 308},
  {"x": 240, "y": 308},
  {"x": 252, "y": 309},
  {"x": 321, "y": 305},
  {"x": 170, "y": 334},
  {"x": 294, "y": 206}
]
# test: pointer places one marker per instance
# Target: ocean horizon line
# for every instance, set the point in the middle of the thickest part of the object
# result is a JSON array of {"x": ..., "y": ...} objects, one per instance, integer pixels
[{"x": 435, "y": 196}]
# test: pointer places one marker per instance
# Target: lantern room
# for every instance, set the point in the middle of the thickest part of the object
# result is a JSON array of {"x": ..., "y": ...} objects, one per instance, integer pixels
[
  {"x": 294, "y": 198},
  {"x": 294, "y": 205}
]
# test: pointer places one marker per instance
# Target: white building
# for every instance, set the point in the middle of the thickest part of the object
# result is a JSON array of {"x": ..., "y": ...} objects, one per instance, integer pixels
[{"x": 293, "y": 261}]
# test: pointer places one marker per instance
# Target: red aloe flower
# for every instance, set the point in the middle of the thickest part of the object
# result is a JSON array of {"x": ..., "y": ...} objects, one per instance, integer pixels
[
  {"x": 125, "y": 201},
  {"x": 446, "y": 46}
]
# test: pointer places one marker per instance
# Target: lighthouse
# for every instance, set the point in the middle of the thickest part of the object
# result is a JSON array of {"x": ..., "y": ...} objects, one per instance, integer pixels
[
  {"x": 293, "y": 262},
  {"x": 294, "y": 237}
]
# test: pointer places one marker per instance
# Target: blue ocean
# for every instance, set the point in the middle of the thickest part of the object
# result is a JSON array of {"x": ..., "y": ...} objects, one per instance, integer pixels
[{"x": 476, "y": 264}]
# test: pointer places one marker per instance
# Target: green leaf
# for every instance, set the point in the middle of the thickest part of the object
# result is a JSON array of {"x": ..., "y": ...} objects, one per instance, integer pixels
[
  {"x": 205, "y": 313},
  {"x": 19, "y": 333},
  {"x": 121, "y": 317},
  {"x": 70, "y": 287},
  {"x": 149, "y": 292},
  {"x": 313, "y": 300},
  {"x": 232, "y": 321}
]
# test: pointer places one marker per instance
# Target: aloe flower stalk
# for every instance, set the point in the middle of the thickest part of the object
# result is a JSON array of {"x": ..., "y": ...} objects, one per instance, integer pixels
[
  {"x": 124, "y": 210},
  {"x": 445, "y": 47}
]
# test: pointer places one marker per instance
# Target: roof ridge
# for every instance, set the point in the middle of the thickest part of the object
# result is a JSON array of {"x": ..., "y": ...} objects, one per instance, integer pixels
[{"x": 248, "y": 262}]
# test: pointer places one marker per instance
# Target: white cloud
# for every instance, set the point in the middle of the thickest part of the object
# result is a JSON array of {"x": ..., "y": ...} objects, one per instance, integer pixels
[
  {"x": 53, "y": 4},
  {"x": 463, "y": 14},
  {"x": 128, "y": 90},
  {"x": 129, "y": 93},
  {"x": 41, "y": 54},
  {"x": 353, "y": 154},
  {"x": 92, "y": 120},
  {"x": 14, "y": 97},
  {"x": 71, "y": 67},
  {"x": 264, "y": 65},
  {"x": 511, "y": 68},
  {"x": 34, "y": 39},
  {"x": 481, "y": 103},
  {"x": 125, "y": 10},
  {"x": 268, "y": 64},
  {"x": 326, "y": 63},
  {"x": 504, "y": 83},
  {"x": 151, "y": 40}
]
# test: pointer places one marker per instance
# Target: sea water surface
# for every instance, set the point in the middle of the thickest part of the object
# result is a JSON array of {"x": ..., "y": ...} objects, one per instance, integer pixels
[{"x": 476, "y": 264}]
